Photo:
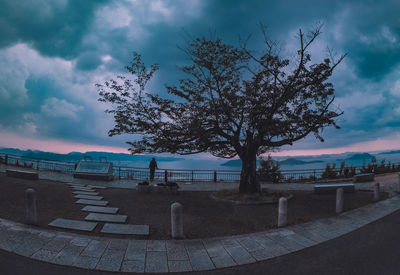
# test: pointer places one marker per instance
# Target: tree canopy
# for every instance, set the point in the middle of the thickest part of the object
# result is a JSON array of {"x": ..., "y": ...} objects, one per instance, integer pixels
[{"x": 233, "y": 102}]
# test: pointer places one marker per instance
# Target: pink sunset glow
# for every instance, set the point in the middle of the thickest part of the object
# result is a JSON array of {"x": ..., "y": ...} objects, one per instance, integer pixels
[
  {"x": 14, "y": 141},
  {"x": 379, "y": 144},
  {"x": 56, "y": 146}
]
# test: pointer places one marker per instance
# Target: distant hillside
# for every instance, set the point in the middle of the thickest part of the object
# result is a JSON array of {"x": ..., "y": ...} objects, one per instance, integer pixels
[
  {"x": 76, "y": 156},
  {"x": 289, "y": 161},
  {"x": 235, "y": 163},
  {"x": 293, "y": 161},
  {"x": 390, "y": 152},
  {"x": 360, "y": 156}
]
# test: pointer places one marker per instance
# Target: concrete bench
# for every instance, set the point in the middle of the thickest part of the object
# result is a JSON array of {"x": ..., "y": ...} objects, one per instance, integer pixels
[
  {"x": 364, "y": 177},
  {"x": 331, "y": 188},
  {"x": 28, "y": 175}
]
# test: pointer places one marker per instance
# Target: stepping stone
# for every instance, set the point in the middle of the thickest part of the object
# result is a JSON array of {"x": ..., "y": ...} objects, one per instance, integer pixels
[
  {"x": 83, "y": 189},
  {"x": 76, "y": 184},
  {"x": 86, "y": 193},
  {"x": 100, "y": 209},
  {"x": 73, "y": 224},
  {"x": 97, "y": 186},
  {"x": 92, "y": 202},
  {"x": 96, "y": 198},
  {"x": 105, "y": 217},
  {"x": 126, "y": 229}
]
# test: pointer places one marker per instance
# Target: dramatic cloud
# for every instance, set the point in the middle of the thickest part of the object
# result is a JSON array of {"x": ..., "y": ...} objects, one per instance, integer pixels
[{"x": 52, "y": 53}]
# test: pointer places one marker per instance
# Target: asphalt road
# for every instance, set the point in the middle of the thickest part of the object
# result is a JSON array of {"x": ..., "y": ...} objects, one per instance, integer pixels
[{"x": 373, "y": 249}]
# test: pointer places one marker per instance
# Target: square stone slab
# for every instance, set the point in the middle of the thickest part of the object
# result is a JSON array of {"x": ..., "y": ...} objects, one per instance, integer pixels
[
  {"x": 87, "y": 197},
  {"x": 76, "y": 184},
  {"x": 128, "y": 229},
  {"x": 83, "y": 189},
  {"x": 105, "y": 217},
  {"x": 92, "y": 202},
  {"x": 73, "y": 224},
  {"x": 97, "y": 186},
  {"x": 86, "y": 193},
  {"x": 100, "y": 209}
]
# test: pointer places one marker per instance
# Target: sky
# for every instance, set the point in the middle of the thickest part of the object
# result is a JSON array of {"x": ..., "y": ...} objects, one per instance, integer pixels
[{"x": 53, "y": 52}]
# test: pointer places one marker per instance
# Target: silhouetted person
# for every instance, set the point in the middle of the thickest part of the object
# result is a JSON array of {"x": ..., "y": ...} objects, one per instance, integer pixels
[{"x": 153, "y": 167}]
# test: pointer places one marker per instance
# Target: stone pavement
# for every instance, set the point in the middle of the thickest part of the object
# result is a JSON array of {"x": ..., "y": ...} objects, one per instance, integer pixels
[
  {"x": 125, "y": 255},
  {"x": 98, "y": 213}
]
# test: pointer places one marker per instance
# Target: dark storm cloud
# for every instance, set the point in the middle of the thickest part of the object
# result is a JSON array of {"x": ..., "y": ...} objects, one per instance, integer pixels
[
  {"x": 371, "y": 35},
  {"x": 54, "y": 28},
  {"x": 98, "y": 37}
]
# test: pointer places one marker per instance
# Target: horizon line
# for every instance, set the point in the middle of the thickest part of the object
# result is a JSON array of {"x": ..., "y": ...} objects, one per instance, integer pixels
[{"x": 11, "y": 140}]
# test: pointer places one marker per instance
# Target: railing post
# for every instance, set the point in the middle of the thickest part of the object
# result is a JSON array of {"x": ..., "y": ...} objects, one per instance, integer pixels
[
  {"x": 192, "y": 175},
  {"x": 314, "y": 176},
  {"x": 37, "y": 165},
  {"x": 166, "y": 176},
  {"x": 215, "y": 176},
  {"x": 6, "y": 159},
  {"x": 119, "y": 172}
]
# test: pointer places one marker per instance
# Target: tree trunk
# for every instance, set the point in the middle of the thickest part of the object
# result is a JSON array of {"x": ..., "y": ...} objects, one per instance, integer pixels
[{"x": 248, "y": 175}]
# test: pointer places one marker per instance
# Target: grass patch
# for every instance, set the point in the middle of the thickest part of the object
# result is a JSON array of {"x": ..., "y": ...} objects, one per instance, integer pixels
[{"x": 265, "y": 195}]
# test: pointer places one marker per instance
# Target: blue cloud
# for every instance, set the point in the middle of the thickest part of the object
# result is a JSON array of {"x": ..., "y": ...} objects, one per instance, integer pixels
[
  {"x": 54, "y": 28},
  {"x": 98, "y": 37}
]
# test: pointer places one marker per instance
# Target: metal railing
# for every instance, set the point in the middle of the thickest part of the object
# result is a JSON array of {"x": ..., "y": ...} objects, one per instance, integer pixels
[
  {"x": 123, "y": 172},
  {"x": 127, "y": 172},
  {"x": 176, "y": 174}
]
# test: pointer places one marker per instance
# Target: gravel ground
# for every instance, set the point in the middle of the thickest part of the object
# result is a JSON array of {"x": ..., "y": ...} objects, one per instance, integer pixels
[{"x": 203, "y": 217}]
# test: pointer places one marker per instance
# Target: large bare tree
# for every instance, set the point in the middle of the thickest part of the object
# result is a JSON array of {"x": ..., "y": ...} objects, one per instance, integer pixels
[{"x": 233, "y": 102}]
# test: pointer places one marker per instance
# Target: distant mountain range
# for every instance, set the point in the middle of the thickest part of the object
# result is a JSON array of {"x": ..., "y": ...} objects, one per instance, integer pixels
[
  {"x": 289, "y": 161},
  {"x": 293, "y": 161},
  {"x": 354, "y": 158},
  {"x": 235, "y": 163},
  {"x": 77, "y": 156},
  {"x": 361, "y": 156},
  {"x": 390, "y": 152}
]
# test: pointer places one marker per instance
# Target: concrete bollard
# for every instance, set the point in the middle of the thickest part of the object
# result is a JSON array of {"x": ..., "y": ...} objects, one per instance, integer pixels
[
  {"x": 30, "y": 203},
  {"x": 376, "y": 192},
  {"x": 177, "y": 221},
  {"x": 339, "y": 200},
  {"x": 282, "y": 212}
]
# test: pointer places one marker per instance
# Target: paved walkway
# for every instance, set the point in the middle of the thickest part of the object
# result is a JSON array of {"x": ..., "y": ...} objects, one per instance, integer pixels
[
  {"x": 124, "y": 255},
  {"x": 388, "y": 183},
  {"x": 112, "y": 254}
]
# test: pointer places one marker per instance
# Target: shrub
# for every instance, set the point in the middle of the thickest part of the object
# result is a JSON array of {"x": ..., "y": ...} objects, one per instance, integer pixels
[
  {"x": 269, "y": 170},
  {"x": 143, "y": 183},
  {"x": 329, "y": 172}
]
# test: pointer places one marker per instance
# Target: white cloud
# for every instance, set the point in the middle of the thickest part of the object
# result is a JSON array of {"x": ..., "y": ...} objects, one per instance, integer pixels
[
  {"x": 106, "y": 58},
  {"x": 37, "y": 113},
  {"x": 359, "y": 100},
  {"x": 395, "y": 89},
  {"x": 388, "y": 35},
  {"x": 54, "y": 107},
  {"x": 114, "y": 16}
]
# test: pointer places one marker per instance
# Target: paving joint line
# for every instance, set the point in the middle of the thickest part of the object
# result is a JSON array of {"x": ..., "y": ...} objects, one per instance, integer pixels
[{"x": 65, "y": 248}]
